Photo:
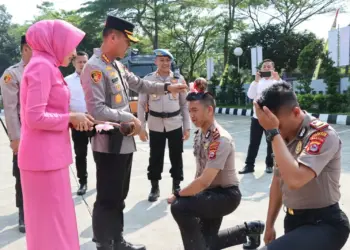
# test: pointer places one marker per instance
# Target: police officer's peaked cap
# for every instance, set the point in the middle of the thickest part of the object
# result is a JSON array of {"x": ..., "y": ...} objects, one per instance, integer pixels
[
  {"x": 163, "y": 52},
  {"x": 121, "y": 25},
  {"x": 23, "y": 39}
]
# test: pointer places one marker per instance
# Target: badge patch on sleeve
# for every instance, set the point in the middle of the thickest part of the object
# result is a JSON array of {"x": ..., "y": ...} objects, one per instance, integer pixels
[
  {"x": 96, "y": 76},
  {"x": 314, "y": 147},
  {"x": 213, "y": 148},
  {"x": 7, "y": 78}
]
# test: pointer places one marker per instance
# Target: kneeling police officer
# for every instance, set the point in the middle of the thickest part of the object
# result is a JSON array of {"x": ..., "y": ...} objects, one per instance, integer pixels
[{"x": 307, "y": 170}]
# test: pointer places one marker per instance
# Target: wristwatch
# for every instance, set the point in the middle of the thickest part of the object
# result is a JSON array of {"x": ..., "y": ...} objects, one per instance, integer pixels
[
  {"x": 166, "y": 85},
  {"x": 176, "y": 193},
  {"x": 271, "y": 133}
]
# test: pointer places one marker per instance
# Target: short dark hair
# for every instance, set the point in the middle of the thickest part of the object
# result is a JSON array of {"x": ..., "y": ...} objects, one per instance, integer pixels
[
  {"x": 279, "y": 95},
  {"x": 206, "y": 98},
  {"x": 270, "y": 61},
  {"x": 82, "y": 53}
]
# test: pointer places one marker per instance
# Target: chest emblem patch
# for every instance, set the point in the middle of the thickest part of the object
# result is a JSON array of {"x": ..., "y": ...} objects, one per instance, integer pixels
[
  {"x": 299, "y": 147},
  {"x": 118, "y": 98}
]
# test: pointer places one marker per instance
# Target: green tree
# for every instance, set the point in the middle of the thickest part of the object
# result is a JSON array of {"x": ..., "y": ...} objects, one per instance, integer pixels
[
  {"x": 283, "y": 49},
  {"x": 307, "y": 61}
]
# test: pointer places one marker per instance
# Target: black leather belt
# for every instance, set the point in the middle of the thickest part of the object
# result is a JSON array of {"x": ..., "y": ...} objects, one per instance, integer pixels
[
  {"x": 291, "y": 211},
  {"x": 164, "y": 114}
]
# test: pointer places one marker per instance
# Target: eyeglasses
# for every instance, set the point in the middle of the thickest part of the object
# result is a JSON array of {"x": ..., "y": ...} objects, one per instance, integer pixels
[{"x": 196, "y": 96}]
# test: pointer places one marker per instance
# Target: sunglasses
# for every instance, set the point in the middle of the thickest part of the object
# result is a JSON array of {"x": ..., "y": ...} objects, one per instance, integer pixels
[{"x": 196, "y": 96}]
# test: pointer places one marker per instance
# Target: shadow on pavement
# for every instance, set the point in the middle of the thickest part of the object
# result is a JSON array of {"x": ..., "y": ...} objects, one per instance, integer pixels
[
  {"x": 141, "y": 215},
  {"x": 7, "y": 236},
  {"x": 255, "y": 189}
]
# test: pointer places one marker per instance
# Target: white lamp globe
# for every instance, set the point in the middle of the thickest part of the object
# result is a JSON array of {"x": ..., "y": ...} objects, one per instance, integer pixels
[{"x": 238, "y": 51}]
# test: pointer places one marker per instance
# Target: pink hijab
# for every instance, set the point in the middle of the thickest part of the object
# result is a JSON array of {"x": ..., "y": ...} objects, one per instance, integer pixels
[{"x": 56, "y": 37}]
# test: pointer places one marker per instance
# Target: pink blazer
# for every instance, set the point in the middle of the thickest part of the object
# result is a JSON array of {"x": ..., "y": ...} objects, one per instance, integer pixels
[{"x": 44, "y": 97}]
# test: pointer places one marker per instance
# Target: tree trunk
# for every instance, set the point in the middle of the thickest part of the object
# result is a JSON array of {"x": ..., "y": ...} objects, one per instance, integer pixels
[
  {"x": 156, "y": 26},
  {"x": 226, "y": 49}
]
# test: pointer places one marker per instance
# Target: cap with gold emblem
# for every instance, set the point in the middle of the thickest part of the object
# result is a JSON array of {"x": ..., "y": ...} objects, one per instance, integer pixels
[{"x": 121, "y": 25}]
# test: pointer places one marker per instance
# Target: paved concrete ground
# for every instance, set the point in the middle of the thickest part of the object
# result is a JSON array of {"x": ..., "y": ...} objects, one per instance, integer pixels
[{"x": 152, "y": 224}]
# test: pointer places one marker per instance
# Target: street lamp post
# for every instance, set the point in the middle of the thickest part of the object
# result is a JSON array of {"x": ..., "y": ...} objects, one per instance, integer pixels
[{"x": 238, "y": 52}]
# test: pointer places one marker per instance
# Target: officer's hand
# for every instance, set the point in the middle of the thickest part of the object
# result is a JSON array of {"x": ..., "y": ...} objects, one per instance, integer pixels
[
  {"x": 137, "y": 126},
  {"x": 81, "y": 121},
  {"x": 266, "y": 118},
  {"x": 177, "y": 88},
  {"x": 171, "y": 199},
  {"x": 143, "y": 135},
  {"x": 186, "y": 135},
  {"x": 270, "y": 235},
  {"x": 14, "y": 146}
]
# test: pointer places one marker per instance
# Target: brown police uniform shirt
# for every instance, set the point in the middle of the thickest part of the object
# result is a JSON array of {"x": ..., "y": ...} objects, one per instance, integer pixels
[
  {"x": 318, "y": 147},
  {"x": 218, "y": 153},
  {"x": 10, "y": 86}
]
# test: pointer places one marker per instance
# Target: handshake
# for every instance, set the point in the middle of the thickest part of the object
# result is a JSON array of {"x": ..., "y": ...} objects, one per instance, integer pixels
[{"x": 85, "y": 122}]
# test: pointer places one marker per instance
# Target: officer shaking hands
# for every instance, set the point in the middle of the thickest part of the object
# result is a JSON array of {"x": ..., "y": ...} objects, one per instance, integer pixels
[
  {"x": 10, "y": 85},
  {"x": 168, "y": 119},
  {"x": 306, "y": 177},
  {"x": 106, "y": 84}
]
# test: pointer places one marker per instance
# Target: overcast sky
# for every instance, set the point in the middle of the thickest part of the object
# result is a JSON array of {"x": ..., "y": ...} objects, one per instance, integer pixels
[{"x": 23, "y": 10}]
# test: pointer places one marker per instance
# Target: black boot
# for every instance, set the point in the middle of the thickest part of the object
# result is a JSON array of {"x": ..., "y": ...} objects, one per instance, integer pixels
[
  {"x": 176, "y": 185},
  {"x": 269, "y": 169},
  {"x": 21, "y": 225},
  {"x": 123, "y": 245},
  {"x": 254, "y": 231},
  {"x": 82, "y": 189},
  {"x": 247, "y": 169},
  {"x": 154, "y": 195},
  {"x": 104, "y": 246}
]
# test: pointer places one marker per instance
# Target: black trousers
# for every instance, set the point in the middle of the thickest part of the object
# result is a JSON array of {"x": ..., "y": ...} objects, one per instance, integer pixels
[
  {"x": 199, "y": 219},
  {"x": 81, "y": 142},
  {"x": 157, "y": 149},
  {"x": 256, "y": 133},
  {"x": 319, "y": 229},
  {"x": 113, "y": 179},
  {"x": 18, "y": 187}
]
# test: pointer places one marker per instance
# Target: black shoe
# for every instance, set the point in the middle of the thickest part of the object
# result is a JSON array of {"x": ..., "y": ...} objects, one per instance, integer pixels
[
  {"x": 269, "y": 169},
  {"x": 155, "y": 193},
  {"x": 82, "y": 189},
  {"x": 254, "y": 231},
  {"x": 176, "y": 186},
  {"x": 123, "y": 245},
  {"x": 104, "y": 246},
  {"x": 21, "y": 225},
  {"x": 247, "y": 169}
]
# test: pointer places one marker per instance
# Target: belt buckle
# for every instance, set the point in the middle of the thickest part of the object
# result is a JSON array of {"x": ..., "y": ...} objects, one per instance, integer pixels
[{"x": 290, "y": 211}]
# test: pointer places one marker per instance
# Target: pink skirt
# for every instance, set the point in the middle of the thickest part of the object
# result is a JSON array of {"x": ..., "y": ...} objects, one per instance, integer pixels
[{"x": 49, "y": 210}]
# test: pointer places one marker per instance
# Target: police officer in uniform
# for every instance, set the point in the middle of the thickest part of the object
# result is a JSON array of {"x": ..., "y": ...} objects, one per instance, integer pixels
[
  {"x": 106, "y": 85},
  {"x": 199, "y": 208},
  {"x": 307, "y": 156},
  {"x": 10, "y": 85},
  {"x": 168, "y": 119}
]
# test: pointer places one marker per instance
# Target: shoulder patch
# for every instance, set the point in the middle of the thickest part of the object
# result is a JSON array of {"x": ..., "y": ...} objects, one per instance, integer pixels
[
  {"x": 7, "y": 78},
  {"x": 96, "y": 76},
  {"x": 315, "y": 143},
  {"x": 213, "y": 148},
  {"x": 319, "y": 125}
]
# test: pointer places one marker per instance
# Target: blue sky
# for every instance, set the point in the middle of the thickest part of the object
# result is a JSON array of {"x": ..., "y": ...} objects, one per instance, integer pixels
[{"x": 23, "y": 10}]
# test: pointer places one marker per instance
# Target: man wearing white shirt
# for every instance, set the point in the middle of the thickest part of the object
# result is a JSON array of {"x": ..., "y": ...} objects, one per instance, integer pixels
[
  {"x": 256, "y": 131},
  {"x": 77, "y": 104}
]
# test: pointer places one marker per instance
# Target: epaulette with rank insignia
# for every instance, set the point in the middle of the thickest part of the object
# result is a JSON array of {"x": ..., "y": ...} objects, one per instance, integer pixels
[
  {"x": 216, "y": 134},
  {"x": 319, "y": 125}
]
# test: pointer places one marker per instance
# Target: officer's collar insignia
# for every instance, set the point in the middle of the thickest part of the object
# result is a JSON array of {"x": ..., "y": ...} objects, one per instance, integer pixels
[
  {"x": 302, "y": 132},
  {"x": 96, "y": 76},
  {"x": 105, "y": 58},
  {"x": 108, "y": 68},
  {"x": 318, "y": 125},
  {"x": 7, "y": 78},
  {"x": 207, "y": 134},
  {"x": 299, "y": 147}
]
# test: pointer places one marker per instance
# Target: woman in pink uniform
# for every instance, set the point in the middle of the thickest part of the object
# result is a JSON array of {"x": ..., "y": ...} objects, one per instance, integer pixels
[{"x": 45, "y": 151}]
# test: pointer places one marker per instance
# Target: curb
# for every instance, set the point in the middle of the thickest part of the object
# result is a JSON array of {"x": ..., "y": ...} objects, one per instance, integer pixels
[{"x": 329, "y": 118}]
